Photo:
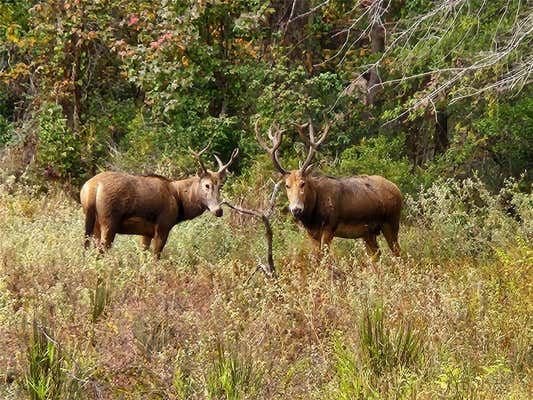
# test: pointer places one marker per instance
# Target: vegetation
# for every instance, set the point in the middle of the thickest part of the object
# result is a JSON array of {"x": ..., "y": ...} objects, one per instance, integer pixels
[
  {"x": 418, "y": 90},
  {"x": 433, "y": 95},
  {"x": 450, "y": 320}
]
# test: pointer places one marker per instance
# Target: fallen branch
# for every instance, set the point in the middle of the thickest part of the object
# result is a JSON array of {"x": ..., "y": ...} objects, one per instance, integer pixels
[{"x": 264, "y": 215}]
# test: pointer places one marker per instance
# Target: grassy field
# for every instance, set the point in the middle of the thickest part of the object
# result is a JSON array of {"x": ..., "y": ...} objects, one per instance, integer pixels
[{"x": 452, "y": 319}]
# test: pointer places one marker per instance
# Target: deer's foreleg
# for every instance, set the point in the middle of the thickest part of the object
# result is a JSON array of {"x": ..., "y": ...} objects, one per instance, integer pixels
[{"x": 326, "y": 237}]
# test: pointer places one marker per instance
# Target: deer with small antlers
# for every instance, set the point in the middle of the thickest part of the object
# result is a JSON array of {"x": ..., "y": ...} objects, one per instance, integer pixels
[
  {"x": 149, "y": 205},
  {"x": 354, "y": 207}
]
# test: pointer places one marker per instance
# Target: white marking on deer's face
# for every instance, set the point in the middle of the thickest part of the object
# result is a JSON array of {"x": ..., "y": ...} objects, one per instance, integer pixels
[
  {"x": 210, "y": 185},
  {"x": 295, "y": 184}
]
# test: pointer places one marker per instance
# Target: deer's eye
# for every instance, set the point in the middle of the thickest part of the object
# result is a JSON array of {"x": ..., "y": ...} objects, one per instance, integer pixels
[
  {"x": 207, "y": 185},
  {"x": 302, "y": 184},
  {"x": 287, "y": 186}
]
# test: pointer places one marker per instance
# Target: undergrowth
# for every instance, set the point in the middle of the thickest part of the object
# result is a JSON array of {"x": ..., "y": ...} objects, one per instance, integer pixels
[{"x": 451, "y": 319}]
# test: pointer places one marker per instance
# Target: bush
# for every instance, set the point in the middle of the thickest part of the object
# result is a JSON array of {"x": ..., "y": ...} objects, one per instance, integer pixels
[
  {"x": 59, "y": 149},
  {"x": 380, "y": 156}
]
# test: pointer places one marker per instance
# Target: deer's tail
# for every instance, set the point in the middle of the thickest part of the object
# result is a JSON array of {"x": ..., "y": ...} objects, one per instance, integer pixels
[{"x": 89, "y": 206}]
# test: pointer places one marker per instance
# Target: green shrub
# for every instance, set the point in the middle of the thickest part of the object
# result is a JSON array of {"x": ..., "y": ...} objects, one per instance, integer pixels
[
  {"x": 59, "y": 149},
  {"x": 231, "y": 376},
  {"x": 6, "y": 131},
  {"x": 380, "y": 156}
]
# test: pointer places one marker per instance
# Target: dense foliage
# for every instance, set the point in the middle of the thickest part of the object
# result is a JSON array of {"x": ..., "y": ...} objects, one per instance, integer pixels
[
  {"x": 451, "y": 320},
  {"x": 417, "y": 89}
]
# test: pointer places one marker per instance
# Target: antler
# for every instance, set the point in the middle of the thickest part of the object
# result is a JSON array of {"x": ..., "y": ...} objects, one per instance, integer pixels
[
  {"x": 276, "y": 142},
  {"x": 223, "y": 167},
  {"x": 311, "y": 142},
  {"x": 198, "y": 155}
]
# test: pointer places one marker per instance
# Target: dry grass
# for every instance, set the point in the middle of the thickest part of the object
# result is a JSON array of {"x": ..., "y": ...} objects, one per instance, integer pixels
[{"x": 450, "y": 320}]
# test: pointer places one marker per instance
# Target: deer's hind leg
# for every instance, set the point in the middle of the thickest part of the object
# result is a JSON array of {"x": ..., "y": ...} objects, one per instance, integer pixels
[
  {"x": 108, "y": 229},
  {"x": 390, "y": 231},
  {"x": 160, "y": 239},
  {"x": 145, "y": 242},
  {"x": 97, "y": 232},
  {"x": 372, "y": 247}
]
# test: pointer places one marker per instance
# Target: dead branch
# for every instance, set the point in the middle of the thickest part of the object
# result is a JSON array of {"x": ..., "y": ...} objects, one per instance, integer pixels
[
  {"x": 264, "y": 215},
  {"x": 437, "y": 24}
]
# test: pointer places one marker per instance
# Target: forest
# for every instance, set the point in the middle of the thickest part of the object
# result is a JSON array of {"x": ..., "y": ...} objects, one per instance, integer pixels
[{"x": 433, "y": 95}]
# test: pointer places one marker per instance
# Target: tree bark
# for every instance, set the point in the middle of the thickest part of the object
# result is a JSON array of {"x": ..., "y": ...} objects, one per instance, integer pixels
[
  {"x": 441, "y": 139},
  {"x": 377, "y": 41}
]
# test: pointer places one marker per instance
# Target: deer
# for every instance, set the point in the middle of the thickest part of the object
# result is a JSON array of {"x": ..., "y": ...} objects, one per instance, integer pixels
[
  {"x": 353, "y": 207},
  {"x": 149, "y": 205}
]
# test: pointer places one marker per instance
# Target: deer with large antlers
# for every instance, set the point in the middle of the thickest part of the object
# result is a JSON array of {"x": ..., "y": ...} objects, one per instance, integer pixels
[
  {"x": 355, "y": 207},
  {"x": 150, "y": 205}
]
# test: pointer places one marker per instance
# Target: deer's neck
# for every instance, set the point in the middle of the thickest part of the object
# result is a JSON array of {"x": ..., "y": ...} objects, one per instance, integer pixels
[
  {"x": 309, "y": 202},
  {"x": 187, "y": 194}
]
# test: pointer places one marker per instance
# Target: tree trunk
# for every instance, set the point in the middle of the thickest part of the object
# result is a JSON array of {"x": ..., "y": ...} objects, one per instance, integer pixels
[
  {"x": 76, "y": 89},
  {"x": 441, "y": 139},
  {"x": 377, "y": 40}
]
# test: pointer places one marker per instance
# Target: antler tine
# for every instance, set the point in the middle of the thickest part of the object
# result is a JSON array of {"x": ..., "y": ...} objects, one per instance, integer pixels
[
  {"x": 223, "y": 167},
  {"x": 219, "y": 161},
  {"x": 301, "y": 133},
  {"x": 325, "y": 133},
  {"x": 260, "y": 140},
  {"x": 311, "y": 132},
  {"x": 308, "y": 159},
  {"x": 276, "y": 139},
  {"x": 198, "y": 155},
  {"x": 271, "y": 136},
  {"x": 311, "y": 142}
]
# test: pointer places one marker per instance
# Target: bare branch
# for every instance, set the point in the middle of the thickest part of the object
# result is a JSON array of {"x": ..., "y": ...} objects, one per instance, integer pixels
[
  {"x": 437, "y": 26},
  {"x": 305, "y": 14},
  {"x": 264, "y": 216}
]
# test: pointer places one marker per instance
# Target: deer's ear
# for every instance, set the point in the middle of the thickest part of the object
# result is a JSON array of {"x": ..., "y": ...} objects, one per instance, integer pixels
[{"x": 201, "y": 173}]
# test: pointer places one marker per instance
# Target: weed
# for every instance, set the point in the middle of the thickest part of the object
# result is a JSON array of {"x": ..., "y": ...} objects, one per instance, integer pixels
[
  {"x": 231, "y": 376},
  {"x": 387, "y": 348},
  {"x": 99, "y": 299},
  {"x": 45, "y": 376}
]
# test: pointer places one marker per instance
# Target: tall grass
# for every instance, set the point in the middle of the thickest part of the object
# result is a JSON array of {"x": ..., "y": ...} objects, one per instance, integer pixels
[
  {"x": 384, "y": 364},
  {"x": 453, "y": 321},
  {"x": 387, "y": 348},
  {"x": 231, "y": 376}
]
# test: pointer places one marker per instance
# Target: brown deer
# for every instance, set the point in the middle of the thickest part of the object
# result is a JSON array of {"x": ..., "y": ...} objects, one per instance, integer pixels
[
  {"x": 355, "y": 207},
  {"x": 116, "y": 202}
]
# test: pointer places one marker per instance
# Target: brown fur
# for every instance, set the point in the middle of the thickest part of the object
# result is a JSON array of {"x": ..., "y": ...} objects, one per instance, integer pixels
[
  {"x": 149, "y": 206},
  {"x": 355, "y": 207}
]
